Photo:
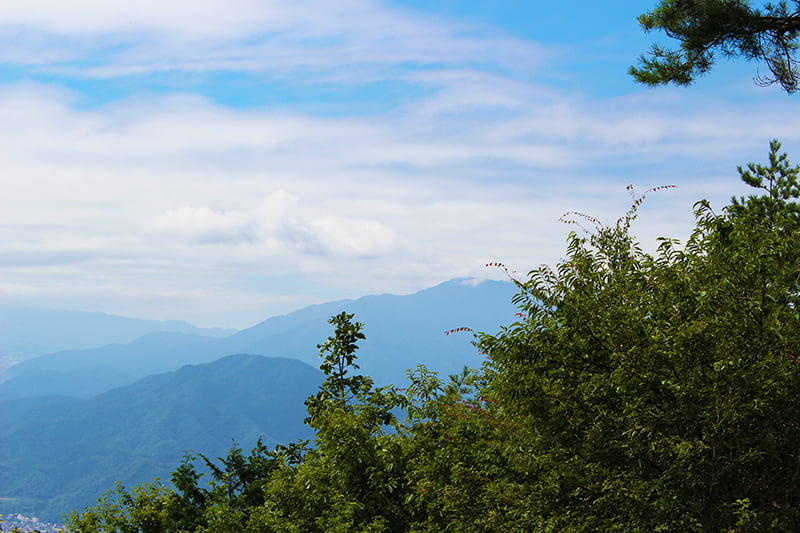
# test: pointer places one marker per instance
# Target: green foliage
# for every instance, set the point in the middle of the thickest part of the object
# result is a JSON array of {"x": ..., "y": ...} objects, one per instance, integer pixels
[
  {"x": 235, "y": 489},
  {"x": 352, "y": 480},
  {"x": 339, "y": 355},
  {"x": 465, "y": 470},
  {"x": 150, "y": 508},
  {"x": 660, "y": 392},
  {"x": 779, "y": 181},
  {"x": 728, "y": 28}
]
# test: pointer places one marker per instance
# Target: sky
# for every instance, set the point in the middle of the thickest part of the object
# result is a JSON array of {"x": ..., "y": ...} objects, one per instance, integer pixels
[{"x": 224, "y": 161}]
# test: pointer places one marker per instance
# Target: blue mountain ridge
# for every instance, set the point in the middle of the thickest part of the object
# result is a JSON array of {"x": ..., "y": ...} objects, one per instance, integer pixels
[
  {"x": 29, "y": 331},
  {"x": 402, "y": 332},
  {"x": 59, "y": 453}
]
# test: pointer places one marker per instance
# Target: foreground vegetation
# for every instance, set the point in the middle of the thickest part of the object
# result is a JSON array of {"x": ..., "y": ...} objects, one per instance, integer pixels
[{"x": 636, "y": 392}]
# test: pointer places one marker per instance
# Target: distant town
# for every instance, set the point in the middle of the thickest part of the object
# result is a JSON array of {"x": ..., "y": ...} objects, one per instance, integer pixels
[{"x": 28, "y": 524}]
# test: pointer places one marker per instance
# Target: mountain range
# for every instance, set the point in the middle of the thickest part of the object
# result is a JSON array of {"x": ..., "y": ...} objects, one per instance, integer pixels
[
  {"x": 60, "y": 452},
  {"x": 402, "y": 332},
  {"x": 27, "y": 332},
  {"x": 76, "y": 421}
]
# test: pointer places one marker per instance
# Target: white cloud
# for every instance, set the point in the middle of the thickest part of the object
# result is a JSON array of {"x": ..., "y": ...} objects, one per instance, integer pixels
[
  {"x": 471, "y": 282},
  {"x": 176, "y": 199},
  {"x": 280, "y": 224},
  {"x": 97, "y": 16},
  {"x": 354, "y": 236},
  {"x": 111, "y": 39},
  {"x": 200, "y": 225},
  {"x": 179, "y": 192}
]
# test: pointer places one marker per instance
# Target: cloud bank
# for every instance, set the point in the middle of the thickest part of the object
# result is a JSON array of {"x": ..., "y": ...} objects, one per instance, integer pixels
[{"x": 170, "y": 203}]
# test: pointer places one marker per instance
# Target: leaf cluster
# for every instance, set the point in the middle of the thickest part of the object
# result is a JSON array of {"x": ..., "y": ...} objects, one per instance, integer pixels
[{"x": 709, "y": 29}]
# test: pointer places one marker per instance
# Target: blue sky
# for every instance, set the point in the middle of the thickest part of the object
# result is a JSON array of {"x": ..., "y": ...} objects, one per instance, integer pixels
[{"x": 222, "y": 162}]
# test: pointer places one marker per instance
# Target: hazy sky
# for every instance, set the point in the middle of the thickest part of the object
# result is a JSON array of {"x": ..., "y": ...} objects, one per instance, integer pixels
[{"x": 225, "y": 161}]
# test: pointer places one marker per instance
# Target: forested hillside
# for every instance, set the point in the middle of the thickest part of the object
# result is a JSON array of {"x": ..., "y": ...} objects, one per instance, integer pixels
[
  {"x": 61, "y": 452},
  {"x": 635, "y": 392}
]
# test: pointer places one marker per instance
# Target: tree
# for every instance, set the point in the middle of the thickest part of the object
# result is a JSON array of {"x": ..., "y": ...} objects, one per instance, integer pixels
[
  {"x": 707, "y": 29},
  {"x": 465, "y": 469},
  {"x": 236, "y": 488},
  {"x": 352, "y": 479},
  {"x": 149, "y": 508},
  {"x": 338, "y": 355},
  {"x": 661, "y": 392}
]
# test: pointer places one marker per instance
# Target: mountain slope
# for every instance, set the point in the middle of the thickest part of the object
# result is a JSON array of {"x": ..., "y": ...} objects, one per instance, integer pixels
[
  {"x": 59, "y": 453},
  {"x": 26, "y": 331},
  {"x": 85, "y": 373},
  {"x": 402, "y": 332}
]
